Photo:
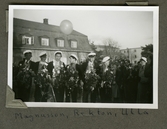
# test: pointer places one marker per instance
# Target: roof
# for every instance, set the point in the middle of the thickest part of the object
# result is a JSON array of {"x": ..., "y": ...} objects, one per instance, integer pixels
[
  {"x": 130, "y": 48},
  {"x": 52, "y": 32},
  {"x": 41, "y": 26}
]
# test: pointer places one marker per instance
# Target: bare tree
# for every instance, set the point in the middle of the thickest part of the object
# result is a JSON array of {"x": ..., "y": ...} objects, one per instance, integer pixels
[{"x": 111, "y": 47}]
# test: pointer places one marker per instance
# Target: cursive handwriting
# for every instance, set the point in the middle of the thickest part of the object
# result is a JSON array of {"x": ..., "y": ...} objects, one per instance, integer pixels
[{"x": 80, "y": 113}]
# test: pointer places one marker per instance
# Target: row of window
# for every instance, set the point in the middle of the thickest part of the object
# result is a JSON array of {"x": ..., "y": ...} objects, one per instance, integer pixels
[
  {"x": 134, "y": 56},
  {"x": 29, "y": 40},
  {"x": 127, "y": 51}
]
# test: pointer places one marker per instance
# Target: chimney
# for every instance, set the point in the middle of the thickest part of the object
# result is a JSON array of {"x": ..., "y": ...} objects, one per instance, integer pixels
[{"x": 45, "y": 21}]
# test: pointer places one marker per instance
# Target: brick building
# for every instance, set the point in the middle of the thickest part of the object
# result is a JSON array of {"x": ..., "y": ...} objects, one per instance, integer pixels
[{"x": 40, "y": 37}]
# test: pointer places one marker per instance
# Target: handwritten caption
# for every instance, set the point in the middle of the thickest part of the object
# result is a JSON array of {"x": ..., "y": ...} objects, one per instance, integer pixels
[{"x": 80, "y": 113}]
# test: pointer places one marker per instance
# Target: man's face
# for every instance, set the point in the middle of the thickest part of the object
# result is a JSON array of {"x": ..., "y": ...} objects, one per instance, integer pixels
[
  {"x": 28, "y": 56},
  {"x": 143, "y": 62},
  {"x": 107, "y": 63},
  {"x": 72, "y": 60},
  {"x": 58, "y": 57},
  {"x": 91, "y": 58}
]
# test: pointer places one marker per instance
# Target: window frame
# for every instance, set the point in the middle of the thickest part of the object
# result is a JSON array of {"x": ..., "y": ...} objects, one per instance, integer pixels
[
  {"x": 74, "y": 45},
  {"x": 24, "y": 37},
  {"x": 57, "y": 44},
  {"x": 45, "y": 38}
]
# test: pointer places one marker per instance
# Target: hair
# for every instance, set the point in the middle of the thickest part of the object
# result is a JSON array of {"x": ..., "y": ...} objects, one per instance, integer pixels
[
  {"x": 43, "y": 56},
  {"x": 27, "y": 53},
  {"x": 73, "y": 58},
  {"x": 58, "y": 53}
]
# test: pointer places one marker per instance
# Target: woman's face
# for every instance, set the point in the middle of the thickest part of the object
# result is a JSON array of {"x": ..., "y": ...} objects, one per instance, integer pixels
[
  {"x": 43, "y": 58},
  {"x": 57, "y": 57}
]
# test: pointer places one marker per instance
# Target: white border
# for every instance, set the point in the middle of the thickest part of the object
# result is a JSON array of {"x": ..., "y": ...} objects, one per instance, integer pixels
[{"x": 154, "y": 9}]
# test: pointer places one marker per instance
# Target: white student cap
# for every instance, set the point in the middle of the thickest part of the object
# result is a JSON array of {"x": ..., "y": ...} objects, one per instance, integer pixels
[
  {"x": 144, "y": 59},
  {"x": 72, "y": 55},
  {"x": 105, "y": 59},
  {"x": 92, "y": 54},
  {"x": 27, "y": 51},
  {"x": 42, "y": 54},
  {"x": 58, "y": 52}
]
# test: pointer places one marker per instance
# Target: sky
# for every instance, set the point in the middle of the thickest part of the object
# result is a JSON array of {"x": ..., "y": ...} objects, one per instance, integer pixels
[{"x": 130, "y": 29}]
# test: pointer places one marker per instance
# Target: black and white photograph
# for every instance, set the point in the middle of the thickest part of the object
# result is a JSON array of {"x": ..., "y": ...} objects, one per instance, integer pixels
[{"x": 84, "y": 56}]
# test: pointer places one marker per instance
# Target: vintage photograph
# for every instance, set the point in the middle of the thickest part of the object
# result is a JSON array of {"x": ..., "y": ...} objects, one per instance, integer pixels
[{"x": 84, "y": 56}]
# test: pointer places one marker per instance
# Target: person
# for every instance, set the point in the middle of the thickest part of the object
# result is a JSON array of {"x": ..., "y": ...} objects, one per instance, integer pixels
[
  {"x": 142, "y": 85},
  {"x": 90, "y": 78},
  {"x": 135, "y": 81},
  {"x": 73, "y": 78},
  {"x": 115, "y": 89},
  {"x": 131, "y": 87},
  {"x": 107, "y": 81},
  {"x": 25, "y": 76},
  {"x": 27, "y": 63},
  {"x": 149, "y": 74},
  {"x": 42, "y": 63},
  {"x": 119, "y": 80},
  {"x": 56, "y": 70},
  {"x": 43, "y": 89}
]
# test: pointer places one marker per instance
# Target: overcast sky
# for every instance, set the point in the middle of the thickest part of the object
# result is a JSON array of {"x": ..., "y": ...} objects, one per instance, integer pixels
[{"x": 129, "y": 28}]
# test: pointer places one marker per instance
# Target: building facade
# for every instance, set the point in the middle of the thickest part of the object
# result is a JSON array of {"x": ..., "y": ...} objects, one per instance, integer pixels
[
  {"x": 133, "y": 54},
  {"x": 38, "y": 37},
  {"x": 109, "y": 50}
]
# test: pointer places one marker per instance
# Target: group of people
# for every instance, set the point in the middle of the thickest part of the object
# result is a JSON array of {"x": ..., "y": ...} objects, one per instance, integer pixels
[{"x": 100, "y": 80}]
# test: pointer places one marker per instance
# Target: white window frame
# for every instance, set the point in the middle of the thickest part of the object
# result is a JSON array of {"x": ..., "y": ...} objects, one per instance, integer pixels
[
  {"x": 27, "y": 40},
  {"x": 60, "y": 42},
  {"x": 73, "y": 44},
  {"x": 44, "y": 41}
]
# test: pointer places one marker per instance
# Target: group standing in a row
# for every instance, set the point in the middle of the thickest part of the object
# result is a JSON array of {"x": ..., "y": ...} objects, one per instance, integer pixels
[{"x": 95, "y": 80}]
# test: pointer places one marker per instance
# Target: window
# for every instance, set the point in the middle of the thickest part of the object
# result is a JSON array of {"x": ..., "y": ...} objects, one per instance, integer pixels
[
  {"x": 124, "y": 51},
  {"x": 27, "y": 40},
  {"x": 135, "y": 50},
  {"x": 135, "y": 56},
  {"x": 73, "y": 44},
  {"x": 60, "y": 42},
  {"x": 45, "y": 41}
]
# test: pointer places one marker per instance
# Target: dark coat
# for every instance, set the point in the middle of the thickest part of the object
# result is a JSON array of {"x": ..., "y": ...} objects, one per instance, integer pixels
[
  {"x": 51, "y": 67},
  {"x": 36, "y": 66},
  {"x": 79, "y": 69},
  {"x": 24, "y": 88},
  {"x": 32, "y": 64},
  {"x": 84, "y": 68}
]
